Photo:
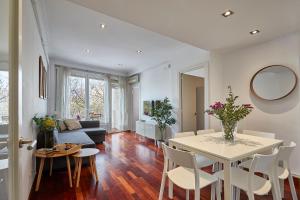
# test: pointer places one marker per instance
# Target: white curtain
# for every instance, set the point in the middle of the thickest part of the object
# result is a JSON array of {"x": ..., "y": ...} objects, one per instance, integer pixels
[
  {"x": 62, "y": 92},
  {"x": 121, "y": 116}
]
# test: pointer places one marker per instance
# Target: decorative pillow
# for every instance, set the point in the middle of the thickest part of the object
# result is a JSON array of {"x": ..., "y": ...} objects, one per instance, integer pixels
[
  {"x": 61, "y": 125},
  {"x": 72, "y": 124}
]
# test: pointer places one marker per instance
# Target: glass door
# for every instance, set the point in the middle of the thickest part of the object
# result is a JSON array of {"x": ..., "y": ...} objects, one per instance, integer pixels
[
  {"x": 9, "y": 99},
  {"x": 4, "y": 88}
]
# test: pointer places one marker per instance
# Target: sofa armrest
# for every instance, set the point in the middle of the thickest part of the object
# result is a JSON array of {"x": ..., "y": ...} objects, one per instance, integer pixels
[{"x": 90, "y": 124}]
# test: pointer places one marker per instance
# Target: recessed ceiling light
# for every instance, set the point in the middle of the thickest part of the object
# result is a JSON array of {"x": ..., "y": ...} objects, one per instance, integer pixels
[
  {"x": 87, "y": 51},
  {"x": 227, "y": 13},
  {"x": 139, "y": 51},
  {"x": 102, "y": 26},
  {"x": 254, "y": 32}
]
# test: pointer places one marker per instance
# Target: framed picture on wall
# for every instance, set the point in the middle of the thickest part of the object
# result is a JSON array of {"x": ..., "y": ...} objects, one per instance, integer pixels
[{"x": 42, "y": 79}]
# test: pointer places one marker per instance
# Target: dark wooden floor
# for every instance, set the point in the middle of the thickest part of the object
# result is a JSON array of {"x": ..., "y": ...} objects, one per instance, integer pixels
[{"x": 130, "y": 169}]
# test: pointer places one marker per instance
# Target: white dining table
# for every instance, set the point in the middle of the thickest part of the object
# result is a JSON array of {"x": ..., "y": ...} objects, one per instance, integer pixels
[{"x": 214, "y": 147}]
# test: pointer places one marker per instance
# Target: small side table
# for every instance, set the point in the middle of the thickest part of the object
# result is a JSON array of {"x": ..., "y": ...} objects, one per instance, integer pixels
[
  {"x": 86, "y": 152},
  {"x": 43, "y": 154}
]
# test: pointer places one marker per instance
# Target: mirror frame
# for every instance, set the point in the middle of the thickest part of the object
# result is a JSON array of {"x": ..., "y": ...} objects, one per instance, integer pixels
[{"x": 253, "y": 77}]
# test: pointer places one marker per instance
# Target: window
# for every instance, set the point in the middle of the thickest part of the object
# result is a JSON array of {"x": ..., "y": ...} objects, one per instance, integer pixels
[
  {"x": 86, "y": 98},
  {"x": 3, "y": 97},
  {"x": 96, "y": 98},
  {"x": 77, "y": 97}
]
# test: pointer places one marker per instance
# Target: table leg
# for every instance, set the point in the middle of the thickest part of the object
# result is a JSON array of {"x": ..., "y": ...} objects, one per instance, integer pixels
[
  {"x": 91, "y": 166},
  {"x": 79, "y": 171},
  {"x": 51, "y": 166},
  {"x": 76, "y": 167},
  {"x": 69, "y": 170},
  {"x": 95, "y": 168},
  {"x": 42, "y": 161},
  {"x": 227, "y": 181}
]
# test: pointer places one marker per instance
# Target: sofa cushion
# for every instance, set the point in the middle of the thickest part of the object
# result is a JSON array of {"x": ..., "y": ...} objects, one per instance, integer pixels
[
  {"x": 76, "y": 137},
  {"x": 72, "y": 124},
  {"x": 61, "y": 125}
]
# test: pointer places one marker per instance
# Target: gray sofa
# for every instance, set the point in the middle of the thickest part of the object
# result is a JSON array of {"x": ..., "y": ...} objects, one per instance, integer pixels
[{"x": 88, "y": 136}]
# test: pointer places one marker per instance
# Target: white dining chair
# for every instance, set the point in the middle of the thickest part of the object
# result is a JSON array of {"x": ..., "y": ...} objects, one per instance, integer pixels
[
  {"x": 202, "y": 161},
  {"x": 283, "y": 168},
  {"x": 205, "y": 131},
  {"x": 253, "y": 184},
  {"x": 180, "y": 167}
]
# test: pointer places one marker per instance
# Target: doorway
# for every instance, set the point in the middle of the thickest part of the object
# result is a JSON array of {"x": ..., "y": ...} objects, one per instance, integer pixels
[{"x": 194, "y": 99}]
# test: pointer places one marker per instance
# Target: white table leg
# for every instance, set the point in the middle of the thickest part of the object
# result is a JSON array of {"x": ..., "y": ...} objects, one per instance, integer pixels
[{"x": 227, "y": 180}]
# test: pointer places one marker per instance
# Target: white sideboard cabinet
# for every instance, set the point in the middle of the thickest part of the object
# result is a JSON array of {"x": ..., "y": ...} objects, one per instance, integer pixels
[{"x": 148, "y": 129}]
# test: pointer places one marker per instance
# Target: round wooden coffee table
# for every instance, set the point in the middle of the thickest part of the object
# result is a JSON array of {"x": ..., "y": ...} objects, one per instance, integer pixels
[
  {"x": 86, "y": 152},
  {"x": 44, "y": 153}
]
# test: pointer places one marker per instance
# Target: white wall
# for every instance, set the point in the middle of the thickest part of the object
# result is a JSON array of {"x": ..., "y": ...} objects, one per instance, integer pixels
[
  {"x": 31, "y": 103},
  {"x": 281, "y": 116},
  {"x": 163, "y": 81}
]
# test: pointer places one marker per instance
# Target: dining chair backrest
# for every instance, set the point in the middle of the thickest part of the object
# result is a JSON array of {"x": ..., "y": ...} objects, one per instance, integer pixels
[
  {"x": 264, "y": 163},
  {"x": 285, "y": 152},
  {"x": 205, "y": 131},
  {"x": 259, "y": 134},
  {"x": 184, "y": 134},
  {"x": 181, "y": 158}
]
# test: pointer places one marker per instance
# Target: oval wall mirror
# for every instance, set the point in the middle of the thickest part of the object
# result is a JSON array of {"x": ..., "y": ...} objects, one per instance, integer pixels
[{"x": 273, "y": 82}]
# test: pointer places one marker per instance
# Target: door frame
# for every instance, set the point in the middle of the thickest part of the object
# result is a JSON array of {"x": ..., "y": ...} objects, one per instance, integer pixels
[
  {"x": 204, "y": 65},
  {"x": 15, "y": 97}
]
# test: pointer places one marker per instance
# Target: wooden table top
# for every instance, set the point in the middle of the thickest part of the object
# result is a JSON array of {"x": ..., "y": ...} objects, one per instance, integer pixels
[
  {"x": 61, "y": 150},
  {"x": 86, "y": 152}
]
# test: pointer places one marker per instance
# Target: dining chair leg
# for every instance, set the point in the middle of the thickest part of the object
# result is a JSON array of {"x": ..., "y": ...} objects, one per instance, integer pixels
[
  {"x": 238, "y": 193},
  {"x": 250, "y": 196},
  {"x": 281, "y": 184},
  {"x": 213, "y": 191},
  {"x": 292, "y": 186},
  {"x": 187, "y": 194},
  {"x": 218, "y": 190},
  {"x": 197, "y": 194},
  {"x": 275, "y": 188},
  {"x": 162, "y": 186},
  {"x": 170, "y": 189}
]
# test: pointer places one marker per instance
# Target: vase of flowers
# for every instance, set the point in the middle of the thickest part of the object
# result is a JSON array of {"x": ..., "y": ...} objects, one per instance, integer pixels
[
  {"x": 46, "y": 127},
  {"x": 229, "y": 114}
]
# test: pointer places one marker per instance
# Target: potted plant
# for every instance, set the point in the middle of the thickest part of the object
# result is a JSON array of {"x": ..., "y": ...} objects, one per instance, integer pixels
[
  {"x": 229, "y": 114},
  {"x": 46, "y": 127},
  {"x": 162, "y": 114}
]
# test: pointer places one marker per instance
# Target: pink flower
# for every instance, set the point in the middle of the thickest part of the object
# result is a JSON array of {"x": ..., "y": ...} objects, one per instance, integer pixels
[
  {"x": 217, "y": 105},
  {"x": 248, "y": 106}
]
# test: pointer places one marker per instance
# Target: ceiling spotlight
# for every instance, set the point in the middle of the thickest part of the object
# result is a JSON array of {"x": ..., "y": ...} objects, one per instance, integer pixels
[
  {"x": 139, "y": 51},
  {"x": 102, "y": 26},
  {"x": 254, "y": 32},
  {"x": 86, "y": 51},
  {"x": 227, "y": 13}
]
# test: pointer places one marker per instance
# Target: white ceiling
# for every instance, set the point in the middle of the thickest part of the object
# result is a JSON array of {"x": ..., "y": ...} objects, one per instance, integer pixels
[
  {"x": 199, "y": 22},
  {"x": 3, "y": 30},
  {"x": 73, "y": 28}
]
